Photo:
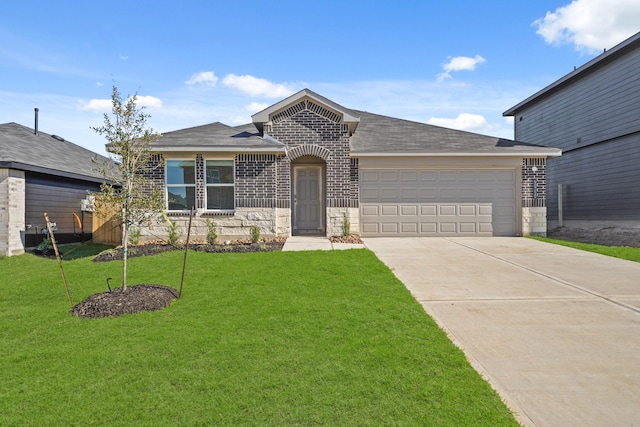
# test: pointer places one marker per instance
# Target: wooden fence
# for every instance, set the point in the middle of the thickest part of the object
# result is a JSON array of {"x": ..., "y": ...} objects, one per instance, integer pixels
[{"x": 106, "y": 229}]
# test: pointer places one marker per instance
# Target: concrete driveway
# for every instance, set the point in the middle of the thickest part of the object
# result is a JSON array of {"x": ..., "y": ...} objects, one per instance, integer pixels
[{"x": 555, "y": 330}]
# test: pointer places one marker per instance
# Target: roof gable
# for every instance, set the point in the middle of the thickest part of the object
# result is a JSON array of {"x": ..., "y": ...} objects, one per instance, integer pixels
[{"x": 311, "y": 100}]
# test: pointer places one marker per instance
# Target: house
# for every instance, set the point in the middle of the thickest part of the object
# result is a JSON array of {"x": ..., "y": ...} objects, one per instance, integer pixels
[
  {"x": 306, "y": 163},
  {"x": 41, "y": 173},
  {"x": 593, "y": 115}
]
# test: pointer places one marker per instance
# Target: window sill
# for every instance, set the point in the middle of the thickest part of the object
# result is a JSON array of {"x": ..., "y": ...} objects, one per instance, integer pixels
[{"x": 218, "y": 213}]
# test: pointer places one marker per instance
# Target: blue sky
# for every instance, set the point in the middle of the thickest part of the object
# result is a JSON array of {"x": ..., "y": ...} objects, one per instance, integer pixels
[{"x": 452, "y": 63}]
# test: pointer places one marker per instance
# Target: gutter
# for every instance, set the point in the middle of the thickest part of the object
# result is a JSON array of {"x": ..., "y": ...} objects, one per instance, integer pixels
[{"x": 542, "y": 153}]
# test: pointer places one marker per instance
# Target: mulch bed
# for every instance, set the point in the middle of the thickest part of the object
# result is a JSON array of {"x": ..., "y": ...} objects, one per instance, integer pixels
[
  {"x": 235, "y": 246},
  {"x": 137, "y": 298}
]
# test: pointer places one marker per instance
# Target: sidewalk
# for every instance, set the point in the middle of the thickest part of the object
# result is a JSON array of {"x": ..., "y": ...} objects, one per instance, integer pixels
[{"x": 316, "y": 243}]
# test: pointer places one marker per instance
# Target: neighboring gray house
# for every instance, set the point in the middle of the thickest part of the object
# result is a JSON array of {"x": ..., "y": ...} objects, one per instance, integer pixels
[
  {"x": 42, "y": 173},
  {"x": 593, "y": 115},
  {"x": 306, "y": 163}
]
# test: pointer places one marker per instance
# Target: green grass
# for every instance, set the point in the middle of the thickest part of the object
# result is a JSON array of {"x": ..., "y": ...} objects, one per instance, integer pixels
[
  {"x": 262, "y": 339},
  {"x": 624, "y": 252}
]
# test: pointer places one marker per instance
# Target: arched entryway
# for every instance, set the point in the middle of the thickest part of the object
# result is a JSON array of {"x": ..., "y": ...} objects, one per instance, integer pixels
[{"x": 308, "y": 196}]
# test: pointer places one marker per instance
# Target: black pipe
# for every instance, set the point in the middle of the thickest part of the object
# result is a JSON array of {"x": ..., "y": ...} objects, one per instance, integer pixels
[{"x": 36, "y": 125}]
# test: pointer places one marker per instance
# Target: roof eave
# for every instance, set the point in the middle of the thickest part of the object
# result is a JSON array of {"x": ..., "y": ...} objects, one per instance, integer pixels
[
  {"x": 540, "y": 153},
  {"x": 210, "y": 149}
]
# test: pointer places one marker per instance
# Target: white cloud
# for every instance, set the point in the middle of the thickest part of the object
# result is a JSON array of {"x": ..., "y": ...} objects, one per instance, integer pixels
[
  {"x": 590, "y": 25},
  {"x": 100, "y": 105},
  {"x": 255, "y": 86},
  {"x": 104, "y": 105},
  {"x": 254, "y": 107},
  {"x": 460, "y": 63},
  {"x": 148, "y": 101},
  {"x": 204, "y": 78},
  {"x": 464, "y": 121}
]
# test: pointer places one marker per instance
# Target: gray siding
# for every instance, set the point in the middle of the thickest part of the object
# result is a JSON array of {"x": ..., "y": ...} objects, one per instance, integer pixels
[
  {"x": 60, "y": 198},
  {"x": 597, "y": 107},
  {"x": 600, "y": 182},
  {"x": 595, "y": 119}
]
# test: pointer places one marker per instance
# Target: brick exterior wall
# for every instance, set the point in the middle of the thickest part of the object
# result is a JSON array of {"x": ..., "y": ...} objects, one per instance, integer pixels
[
  {"x": 255, "y": 180},
  {"x": 534, "y": 184},
  {"x": 307, "y": 123}
]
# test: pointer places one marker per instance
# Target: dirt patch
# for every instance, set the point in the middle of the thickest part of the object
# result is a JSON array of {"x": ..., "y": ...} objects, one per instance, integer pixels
[
  {"x": 607, "y": 236},
  {"x": 153, "y": 248},
  {"x": 352, "y": 238},
  {"x": 137, "y": 298}
]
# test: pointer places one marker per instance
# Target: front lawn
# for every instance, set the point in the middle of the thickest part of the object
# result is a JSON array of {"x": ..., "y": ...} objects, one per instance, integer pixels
[
  {"x": 624, "y": 252},
  {"x": 279, "y": 338}
]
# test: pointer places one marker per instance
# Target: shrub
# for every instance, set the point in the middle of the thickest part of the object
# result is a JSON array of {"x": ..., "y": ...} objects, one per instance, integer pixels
[
  {"x": 134, "y": 235},
  {"x": 346, "y": 225},
  {"x": 174, "y": 230},
  {"x": 212, "y": 234},
  {"x": 255, "y": 234}
]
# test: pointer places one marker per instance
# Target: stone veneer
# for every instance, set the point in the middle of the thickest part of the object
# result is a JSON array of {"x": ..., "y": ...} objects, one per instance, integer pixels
[{"x": 12, "y": 214}]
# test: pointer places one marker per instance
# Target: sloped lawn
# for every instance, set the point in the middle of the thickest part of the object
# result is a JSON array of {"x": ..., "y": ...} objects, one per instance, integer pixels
[{"x": 280, "y": 338}]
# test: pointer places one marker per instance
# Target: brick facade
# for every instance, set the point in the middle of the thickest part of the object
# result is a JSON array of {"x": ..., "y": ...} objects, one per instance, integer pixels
[
  {"x": 534, "y": 184},
  {"x": 308, "y": 124}
]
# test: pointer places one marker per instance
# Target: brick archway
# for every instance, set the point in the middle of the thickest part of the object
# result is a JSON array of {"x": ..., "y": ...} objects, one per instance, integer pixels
[{"x": 309, "y": 150}]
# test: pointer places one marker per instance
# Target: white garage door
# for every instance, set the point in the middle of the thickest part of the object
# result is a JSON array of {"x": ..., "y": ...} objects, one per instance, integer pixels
[{"x": 438, "y": 202}]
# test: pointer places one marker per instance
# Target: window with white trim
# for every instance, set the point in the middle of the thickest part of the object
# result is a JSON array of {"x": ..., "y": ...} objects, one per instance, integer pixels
[
  {"x": 219, "y": 182},
  {"x": 181, "y": 184}
]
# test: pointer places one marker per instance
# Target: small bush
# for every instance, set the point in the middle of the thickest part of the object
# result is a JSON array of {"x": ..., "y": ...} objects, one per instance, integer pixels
[
  {"x": 255, "y": 234},
  {"x": 134, "y": 235},
  {"x": 174, "y": 230},
  {"x": 346, "y": 225},
  {"x": 212, "y": 233}
]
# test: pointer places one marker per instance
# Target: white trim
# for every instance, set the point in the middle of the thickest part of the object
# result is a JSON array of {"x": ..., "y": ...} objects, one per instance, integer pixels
[{"x": 550, "y": 153}]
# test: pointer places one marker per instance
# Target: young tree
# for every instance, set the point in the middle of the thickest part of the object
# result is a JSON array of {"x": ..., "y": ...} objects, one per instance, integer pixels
[{"x": 128, "y": 186}]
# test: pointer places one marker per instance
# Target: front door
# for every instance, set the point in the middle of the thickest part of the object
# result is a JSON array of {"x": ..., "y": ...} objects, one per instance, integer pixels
[{"x": 307, "y": 200}]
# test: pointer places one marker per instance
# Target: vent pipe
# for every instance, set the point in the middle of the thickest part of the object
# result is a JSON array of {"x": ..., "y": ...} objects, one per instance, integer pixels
[{"x": 36, "y": 125}]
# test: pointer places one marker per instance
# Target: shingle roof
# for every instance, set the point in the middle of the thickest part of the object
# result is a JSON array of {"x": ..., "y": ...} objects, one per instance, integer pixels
[
  {"x": 375, "y": 135},
  {"x": 216, "y": 137},
  {"x": 382, "y": 135},
  {"x": 21, "y": 148}
]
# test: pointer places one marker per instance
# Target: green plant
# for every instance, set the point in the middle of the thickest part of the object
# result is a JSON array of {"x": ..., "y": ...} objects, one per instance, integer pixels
[
  {"x": 46, "y": 245},
  {"x": 346, "y": 225},
  {"x": 134, "y": 235},
  {"x": 255, "y": 234},
  {"x": 212, "y": 233},
  {"x": 173, "y": 229},
  {"x": 127, "y": 190},
  {"x": 271, "y": 339}
]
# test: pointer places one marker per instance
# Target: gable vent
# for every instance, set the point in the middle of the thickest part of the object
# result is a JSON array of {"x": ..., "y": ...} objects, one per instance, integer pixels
[{"x": 306, "y": 105}]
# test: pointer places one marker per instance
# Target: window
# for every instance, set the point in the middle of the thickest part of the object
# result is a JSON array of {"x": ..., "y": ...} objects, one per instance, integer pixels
[
  {"x": 220, "y": 184},
  {"x": 181, "y": 184}
]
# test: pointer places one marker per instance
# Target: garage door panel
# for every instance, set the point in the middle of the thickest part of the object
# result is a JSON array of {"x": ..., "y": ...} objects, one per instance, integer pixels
[
  {"x": 433, "y": 202},
  {"x": 409, "y": 210},
  {"x": 409, "y": 227},
  {"x": 370, "y": 210},
  {"x": 389, "y": 210},
  {"x": 467, "y": 210},
  {"x": 428, "y": 210},
  {"x": 447, "y": 210},
  {"x": 468, "y": 227},
  {"x": 389, "y": 228}
]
